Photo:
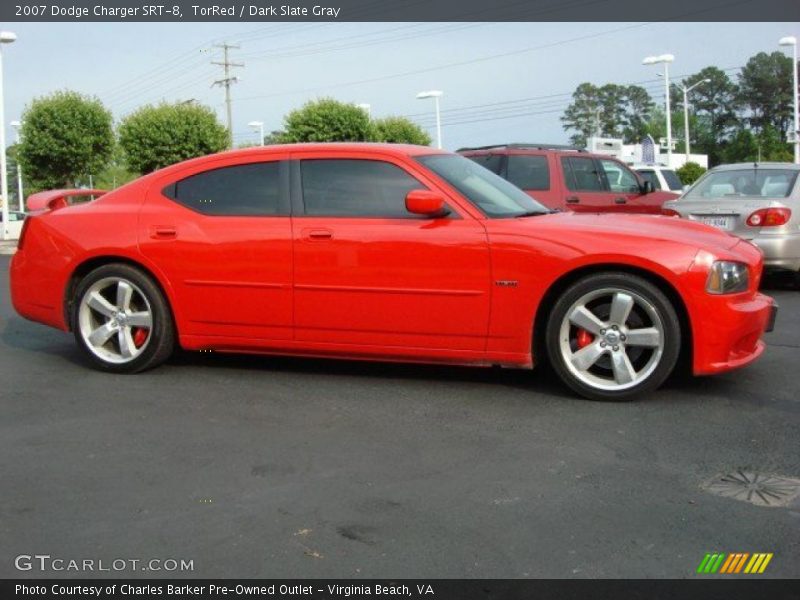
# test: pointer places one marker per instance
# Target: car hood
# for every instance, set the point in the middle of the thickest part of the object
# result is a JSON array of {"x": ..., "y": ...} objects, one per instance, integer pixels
[{"x": 621, "y": 228}]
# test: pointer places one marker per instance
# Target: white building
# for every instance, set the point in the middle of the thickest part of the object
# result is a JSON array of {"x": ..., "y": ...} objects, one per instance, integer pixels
[{"x": 633, "y": 153}]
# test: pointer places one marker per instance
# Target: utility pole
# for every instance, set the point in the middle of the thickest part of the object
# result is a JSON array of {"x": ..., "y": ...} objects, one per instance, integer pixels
[{"x": 226, "y": 82}]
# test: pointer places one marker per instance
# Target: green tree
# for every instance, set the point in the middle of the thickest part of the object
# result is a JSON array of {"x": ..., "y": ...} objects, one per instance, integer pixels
[
  {"x": 766, "y": 145},
  {"x": 115, "y": 172},
  {"x": 65, "y": 138},
  {"x": 275, "y": 136},
  {"x": 690, "y": 172},
  {"x": 327, "y": 120},
  {"x": 610, "y": 110},
  {"x": 399, "y": 130},
  {"x": 765, "y": 90},
  {"x": 157, "y": 136},
  {"x": 713, "y": 107}
]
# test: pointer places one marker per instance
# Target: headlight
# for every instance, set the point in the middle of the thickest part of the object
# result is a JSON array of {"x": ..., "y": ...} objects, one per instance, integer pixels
[{"x": 727, "y": 277}]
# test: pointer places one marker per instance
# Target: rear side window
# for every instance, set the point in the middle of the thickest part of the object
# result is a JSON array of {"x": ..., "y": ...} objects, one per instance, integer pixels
[
  {"x": 673, "y": 181},
  {"x": 241, "y": 190},
  {"x": 528, "y": 172},
  {"x": 581, "y": 174},
  {"x": 488, "y": 161},
  {"x": 356, "y": 188}
]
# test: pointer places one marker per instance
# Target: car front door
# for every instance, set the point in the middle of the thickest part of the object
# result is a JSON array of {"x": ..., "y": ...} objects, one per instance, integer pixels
[
  {"x": 626, "y": 189},
  {"x": 368, "y": 273},
  {"x": 586, "y": 186},
  {"x": 221, "y": 234}
]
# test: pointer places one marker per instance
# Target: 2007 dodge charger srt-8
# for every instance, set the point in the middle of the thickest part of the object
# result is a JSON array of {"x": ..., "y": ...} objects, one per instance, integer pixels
[{"x": 384, "y": 252}]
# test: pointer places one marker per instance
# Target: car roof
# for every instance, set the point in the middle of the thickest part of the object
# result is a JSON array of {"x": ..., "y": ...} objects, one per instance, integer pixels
[
  {"x": 525, "y": 146},
  {"x": 381, "y": 148},
  {"x": 761, "y": 165}
]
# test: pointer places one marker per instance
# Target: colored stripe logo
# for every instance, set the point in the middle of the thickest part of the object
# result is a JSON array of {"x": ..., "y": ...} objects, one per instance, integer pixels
[{"x": 734, "y": 563}]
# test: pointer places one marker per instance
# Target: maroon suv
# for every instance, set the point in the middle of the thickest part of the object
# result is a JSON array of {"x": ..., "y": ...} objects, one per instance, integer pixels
[{"x": 567, "y": 178}]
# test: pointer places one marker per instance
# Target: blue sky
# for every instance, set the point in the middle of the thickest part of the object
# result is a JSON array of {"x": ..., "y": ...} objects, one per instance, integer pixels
[{"x": 516, "y": 96}]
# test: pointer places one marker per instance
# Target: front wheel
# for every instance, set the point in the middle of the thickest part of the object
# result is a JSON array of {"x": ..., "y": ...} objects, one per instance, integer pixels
[
  {"x": 121, "y": 320},
  {"x": 613, "y": 336}
]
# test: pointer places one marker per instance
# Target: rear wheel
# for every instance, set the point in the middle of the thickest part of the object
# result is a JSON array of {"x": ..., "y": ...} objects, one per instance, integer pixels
[
  {"x": 121, "y": 320},
  {"x": 613, "y": 336}
]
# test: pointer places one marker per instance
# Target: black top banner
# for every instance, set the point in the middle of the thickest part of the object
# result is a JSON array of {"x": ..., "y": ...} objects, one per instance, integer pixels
[{"x": 401, "y": 10}]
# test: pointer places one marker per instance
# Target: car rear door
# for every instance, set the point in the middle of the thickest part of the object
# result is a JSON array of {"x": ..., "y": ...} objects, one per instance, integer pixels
[
  {"x": 367, "y": 273},
  {"x": 532, "y": 173},
  {"x": 220, "y": 232}
]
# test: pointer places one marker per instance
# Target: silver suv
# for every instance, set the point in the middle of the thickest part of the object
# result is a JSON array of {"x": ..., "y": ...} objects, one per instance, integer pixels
[{"x": 759, "y": 202}]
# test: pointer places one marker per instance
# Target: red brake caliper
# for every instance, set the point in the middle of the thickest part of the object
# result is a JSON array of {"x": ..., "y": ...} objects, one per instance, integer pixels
[
  {"x": 584, "y": 338},
  {"x": 140, "y": 336}
]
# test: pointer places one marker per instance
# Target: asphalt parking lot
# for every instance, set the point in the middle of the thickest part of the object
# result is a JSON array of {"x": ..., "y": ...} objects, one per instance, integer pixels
[{"x": 274, "y": 467}]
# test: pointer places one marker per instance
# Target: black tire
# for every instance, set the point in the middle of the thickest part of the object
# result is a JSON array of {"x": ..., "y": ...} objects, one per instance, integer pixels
[
  {"x": 655, "y": 368},
  {"x": 161, "y": 338}
]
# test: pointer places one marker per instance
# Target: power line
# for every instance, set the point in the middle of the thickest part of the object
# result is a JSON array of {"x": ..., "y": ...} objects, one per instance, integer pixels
[{"x": 449, "y": 65}]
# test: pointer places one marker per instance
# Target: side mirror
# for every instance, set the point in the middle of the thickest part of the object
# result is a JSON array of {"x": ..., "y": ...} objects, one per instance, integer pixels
[
  {"x": 647, "y": 187},
  {"x": 426, "y": 203}
]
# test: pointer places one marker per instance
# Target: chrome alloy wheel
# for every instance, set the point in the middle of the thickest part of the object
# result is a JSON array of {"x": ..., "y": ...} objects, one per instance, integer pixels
[
  {"x": 611, "y": 339},
  {"x": 115, "y": 320}
]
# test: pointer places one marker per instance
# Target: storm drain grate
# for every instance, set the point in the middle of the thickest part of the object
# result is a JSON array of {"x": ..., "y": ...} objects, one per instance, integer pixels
[{"x": 757, "y": 488}]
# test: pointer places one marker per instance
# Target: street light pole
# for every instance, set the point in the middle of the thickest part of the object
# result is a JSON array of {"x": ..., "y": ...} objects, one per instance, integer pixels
[
  {"x": 6, "y": 37},
  {"x": 686, "y": 113},
  {"x": 792, "y": 41},
  {"x": 435, "y": 94},
  {"x": 21, "y": 197},
  {"x": 666, "y": 59}
]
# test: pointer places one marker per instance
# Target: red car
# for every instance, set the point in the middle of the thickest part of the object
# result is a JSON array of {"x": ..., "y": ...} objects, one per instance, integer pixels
[
  {"x": 384, "y": 252},
  {"x": 568, "y": 178}
]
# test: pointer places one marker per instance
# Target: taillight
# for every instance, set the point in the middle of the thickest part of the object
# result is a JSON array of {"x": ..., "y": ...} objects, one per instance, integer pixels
[
  {"x": 21, "y": 239},
  {"x": 668, "y": 212},
  {"x": 769, "y": 217}
]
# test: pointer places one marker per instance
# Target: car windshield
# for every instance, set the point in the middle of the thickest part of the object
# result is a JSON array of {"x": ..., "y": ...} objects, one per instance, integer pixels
[
  {"x": 749, "y": 182},
  {"x": 492, "y": 194},
  {"x": 672, "y": 179}
]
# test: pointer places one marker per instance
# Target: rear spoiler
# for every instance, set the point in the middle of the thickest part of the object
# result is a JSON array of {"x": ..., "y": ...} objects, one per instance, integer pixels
[{"x": 55, "y": 199}]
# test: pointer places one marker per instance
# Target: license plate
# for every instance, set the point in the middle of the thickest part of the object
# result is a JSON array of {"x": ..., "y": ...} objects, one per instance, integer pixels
[{"x": 719, "y": 222}]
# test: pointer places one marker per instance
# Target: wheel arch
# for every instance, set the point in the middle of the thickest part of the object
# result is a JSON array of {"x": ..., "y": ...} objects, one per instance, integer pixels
[
  {"x": 565, "y": 280},
  {"x": 90, "y": 264}
]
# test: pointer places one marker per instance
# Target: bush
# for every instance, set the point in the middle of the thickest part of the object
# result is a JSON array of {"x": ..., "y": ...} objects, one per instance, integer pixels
[
  {"x": 65, "y": 138},
  {"x": 157, "y": 136},
  {"x": 690, "y": 172},
  {"x": 327, "y": 120},
  {"x": 399, "y": 130}
]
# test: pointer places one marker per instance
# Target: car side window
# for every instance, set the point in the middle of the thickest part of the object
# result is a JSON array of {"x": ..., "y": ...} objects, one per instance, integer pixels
[
  {"x": 528, "y": 172},
  {"x": 240, "y": 190},
  {"x": 620, "y": 179},
  {"x": 488, "y": 161},
  {"x": 652, "y": 178},
  {"x": 583, "y": 175},
  {"x": 356, "y": 188}
]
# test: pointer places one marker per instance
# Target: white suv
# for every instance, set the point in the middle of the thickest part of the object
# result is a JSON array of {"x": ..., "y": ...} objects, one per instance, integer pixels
[{"x": 660, "y": 176}]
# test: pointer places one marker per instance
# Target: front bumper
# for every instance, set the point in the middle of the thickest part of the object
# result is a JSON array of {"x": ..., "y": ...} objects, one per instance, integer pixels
[{"x": 729, "y": 335}]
